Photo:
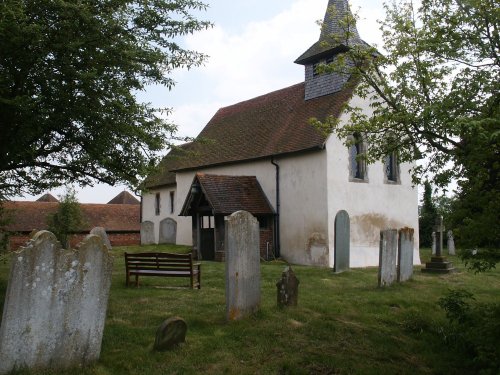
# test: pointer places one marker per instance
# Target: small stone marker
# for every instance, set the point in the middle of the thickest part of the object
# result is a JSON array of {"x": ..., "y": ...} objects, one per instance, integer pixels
[
  {"x": 405, "y": 254},
  {"x": 101, "y": 232},
  {"x": 170, "y": 333},
  {"x": 55, "y": 305},
  {"x": 451, "y": 243},
  {"x": 242, "y": 265},
  {"x": 387, "y": 257},
  {"x": 168, "y": 231},
  {"x": 288, "y": 288},
  {"x": 147, "y": 233}
]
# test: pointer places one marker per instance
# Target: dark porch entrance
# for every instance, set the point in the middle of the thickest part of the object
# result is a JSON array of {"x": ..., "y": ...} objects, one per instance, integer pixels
[{"x": 212, "y": 198}]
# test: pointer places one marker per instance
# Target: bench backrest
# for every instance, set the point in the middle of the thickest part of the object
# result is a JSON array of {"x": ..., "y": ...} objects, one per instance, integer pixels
[{"x": 159, "y": 261}]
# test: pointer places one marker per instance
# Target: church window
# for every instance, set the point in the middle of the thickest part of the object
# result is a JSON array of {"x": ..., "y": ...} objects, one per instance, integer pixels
[
  {"x": 157, "y": 204},
  {"x": 172, "y": 196},
  {"x": 391, "y": 167},
  {"x": 357, "y": 164}
]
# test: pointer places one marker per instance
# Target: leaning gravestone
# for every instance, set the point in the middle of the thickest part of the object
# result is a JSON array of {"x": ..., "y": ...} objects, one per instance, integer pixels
[
  {"x": 242, "y": 265},
  {"x": 387, "y": 257},
  {"x": 147, "y": 233},
  {"x": 405, "y": 254},
  {"x": 170, "y": 333},
  {"x": 168, "y": 231},
  {"x": 55, "y": 305},
  {"x": 101, "y": 232},
  {"x": 288, "y": 288},
  {"x": 451, "y": 243}
]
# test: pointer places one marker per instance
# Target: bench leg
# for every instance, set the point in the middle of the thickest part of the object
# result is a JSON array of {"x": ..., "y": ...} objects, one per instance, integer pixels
[{"x": 137, "y": 281}]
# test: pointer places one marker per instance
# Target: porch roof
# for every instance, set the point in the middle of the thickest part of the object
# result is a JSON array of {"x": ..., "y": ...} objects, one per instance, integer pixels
[{"x": 228, "y": 194}]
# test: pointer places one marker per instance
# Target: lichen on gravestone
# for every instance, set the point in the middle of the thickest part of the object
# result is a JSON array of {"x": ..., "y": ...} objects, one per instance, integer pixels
[{"x": 55, "y": 305}]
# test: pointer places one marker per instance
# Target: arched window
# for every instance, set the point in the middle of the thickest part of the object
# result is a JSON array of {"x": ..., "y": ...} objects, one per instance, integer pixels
[
  {"x": 357, "y": 164},
  {"x": 391, "y": 167}
]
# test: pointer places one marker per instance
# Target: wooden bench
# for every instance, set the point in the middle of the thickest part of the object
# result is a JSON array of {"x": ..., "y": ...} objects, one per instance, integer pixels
[{"x": 162, "y": 264}]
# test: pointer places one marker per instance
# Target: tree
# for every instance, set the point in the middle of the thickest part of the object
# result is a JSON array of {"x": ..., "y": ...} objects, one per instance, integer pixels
[
  {"x": 68, "y": 219},
  {"x": 69, "y": 74},
  {"x": 427, "y": 217},
  {"x": 435, "y": 95}
]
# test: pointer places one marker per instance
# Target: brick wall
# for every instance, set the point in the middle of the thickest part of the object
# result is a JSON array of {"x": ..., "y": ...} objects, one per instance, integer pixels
[
  {"x": 116, "y": 239},
  {"x": 266, "y": 243}
]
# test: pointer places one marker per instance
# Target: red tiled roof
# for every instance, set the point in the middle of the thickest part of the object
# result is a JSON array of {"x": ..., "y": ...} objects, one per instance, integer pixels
[
  {"x": 228, "y": 194},
  {"x": 124, "y": 198},
  {"x": 26, "y": 216},
  {"x": 47, "y": 198},
  {"x": 269, "y": 125}
]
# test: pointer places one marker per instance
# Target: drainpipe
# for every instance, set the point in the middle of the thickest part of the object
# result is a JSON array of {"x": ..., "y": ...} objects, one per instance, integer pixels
[{"x": 277, "y": 218}]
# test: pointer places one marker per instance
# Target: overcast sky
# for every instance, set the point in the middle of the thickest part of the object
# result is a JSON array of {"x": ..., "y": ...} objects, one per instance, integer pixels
[{"x": 252, "y": 48}]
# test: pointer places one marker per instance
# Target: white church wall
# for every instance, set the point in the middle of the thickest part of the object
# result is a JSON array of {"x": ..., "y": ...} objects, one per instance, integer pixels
[
  {"x": 303, "y": 217},
  {"x": 372, "y": 205}
]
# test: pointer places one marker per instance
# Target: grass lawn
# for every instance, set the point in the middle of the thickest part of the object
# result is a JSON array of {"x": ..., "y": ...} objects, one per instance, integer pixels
[{"x": 344, "y": 324}]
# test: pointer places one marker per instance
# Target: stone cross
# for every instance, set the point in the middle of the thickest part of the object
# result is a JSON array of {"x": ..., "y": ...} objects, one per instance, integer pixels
[{"x": 439, "y": 229}]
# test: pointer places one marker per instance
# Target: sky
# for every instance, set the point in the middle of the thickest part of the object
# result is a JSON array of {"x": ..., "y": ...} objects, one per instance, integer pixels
[{"x": 252, "y": 48}]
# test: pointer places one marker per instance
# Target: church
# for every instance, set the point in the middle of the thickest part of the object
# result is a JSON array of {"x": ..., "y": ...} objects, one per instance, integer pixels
[{"x": 316, "y": 202}]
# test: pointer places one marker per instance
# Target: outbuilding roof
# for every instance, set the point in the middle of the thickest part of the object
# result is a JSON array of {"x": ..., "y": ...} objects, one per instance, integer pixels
[
  {"x": 228, "y": 194},
  {"x": 124, "y": 198},
  {"x": 269, "y": 125},
  {"x": 26, "y": 216}
]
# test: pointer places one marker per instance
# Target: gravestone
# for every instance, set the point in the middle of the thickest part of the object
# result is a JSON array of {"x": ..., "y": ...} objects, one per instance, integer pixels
[
  {"x": 168, "y": 231},
  {"x": 342, "y": 242},
  {"x": 451, "y": 243},
  {"x": 288, "y": 288},
  {"x": 242, "y": 265},
  {"x": 433, "y": 246},
  {"x": 405, "y": 254},
  {"x": 55, "y": 305},
  {"x": 387, "y": 257},
  {"x": 101, "y": 232},
  {"x": 147, "y": 233},
  {"x": 170, "y": 333}
]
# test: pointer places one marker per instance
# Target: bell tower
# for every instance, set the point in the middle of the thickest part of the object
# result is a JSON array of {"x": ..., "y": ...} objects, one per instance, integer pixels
[{"x": 338, "y": 34}]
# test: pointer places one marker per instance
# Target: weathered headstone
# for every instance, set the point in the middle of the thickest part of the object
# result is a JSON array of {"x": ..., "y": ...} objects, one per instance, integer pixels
[
  {"x": 101, "y": 232},
  {"x": 433, "y": 246},
  {"x": 451, "y": 243},
  {"x": 147, "y": 233},
  {"x": 242, "y": 265},
  {"x": 342, "y": 242},
  {"x": 55, "y": 305},
  {"x": 288, "y": 288},
  {"x": 168, "y": 231},
  {"x": 405, "y": 254},
  {"x": 388, "y": 257},
  {"x": 170, "y": 333}
]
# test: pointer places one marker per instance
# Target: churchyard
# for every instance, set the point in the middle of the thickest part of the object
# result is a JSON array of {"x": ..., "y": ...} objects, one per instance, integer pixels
[{"x": 343, "y": 324}]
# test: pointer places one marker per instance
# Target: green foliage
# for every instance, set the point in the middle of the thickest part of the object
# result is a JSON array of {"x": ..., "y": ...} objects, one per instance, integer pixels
[
  {"x": 435, "y": 89},
  {"x": 69, "y": 74},
  {"x": 427, "y": 217},
  {"x": 68, "y": 219},
  {"x": 474, "y": 328}
]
